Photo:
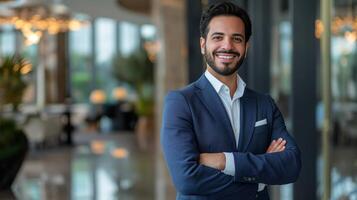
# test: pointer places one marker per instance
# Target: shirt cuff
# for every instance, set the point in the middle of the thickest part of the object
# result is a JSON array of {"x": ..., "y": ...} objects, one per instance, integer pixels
[{"x": 230, "y": 168}]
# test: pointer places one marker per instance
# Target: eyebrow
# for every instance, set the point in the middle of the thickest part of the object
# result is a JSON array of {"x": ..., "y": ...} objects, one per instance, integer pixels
[{"x": 234, "y": 34}]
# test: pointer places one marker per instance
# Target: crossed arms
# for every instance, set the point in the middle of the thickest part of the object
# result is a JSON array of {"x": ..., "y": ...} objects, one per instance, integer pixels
[
  {"x": 191, "y": 177},
  {"x": 218, "y": 160}
]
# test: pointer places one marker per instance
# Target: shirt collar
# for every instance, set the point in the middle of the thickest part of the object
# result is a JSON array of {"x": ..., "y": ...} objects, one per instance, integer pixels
[{"x": 217, "y": 84}]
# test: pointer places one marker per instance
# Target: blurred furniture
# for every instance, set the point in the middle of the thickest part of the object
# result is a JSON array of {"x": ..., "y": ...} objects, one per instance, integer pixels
[
  {"x": 345, "y": 123},
  {"x": 97, "y": 99},
  {"x": 43, "y": 129},
  {"x": 122, "y": 115}
]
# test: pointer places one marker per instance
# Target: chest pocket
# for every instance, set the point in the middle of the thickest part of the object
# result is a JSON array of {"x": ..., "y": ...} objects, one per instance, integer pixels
[{"x": 260, "y": 139}]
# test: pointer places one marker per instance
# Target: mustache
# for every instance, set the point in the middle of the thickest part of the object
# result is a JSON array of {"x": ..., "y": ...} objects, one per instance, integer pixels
[{"x": 227, "y": 51}]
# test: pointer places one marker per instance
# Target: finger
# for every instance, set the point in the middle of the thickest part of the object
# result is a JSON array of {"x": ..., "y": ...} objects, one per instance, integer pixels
[
  {"x": 279, "y": 150},
  {"x": 276, "y": 144},
  {"x": 271, "y": 146},
  {"x": 280, "y": 146}
]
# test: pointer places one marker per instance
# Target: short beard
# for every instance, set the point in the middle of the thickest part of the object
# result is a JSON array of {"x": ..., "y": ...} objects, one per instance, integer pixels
[{"x": 226, "y": 71}]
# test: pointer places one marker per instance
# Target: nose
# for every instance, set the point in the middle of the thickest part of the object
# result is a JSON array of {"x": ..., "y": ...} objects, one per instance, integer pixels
[{"x": 227, "y": 44}]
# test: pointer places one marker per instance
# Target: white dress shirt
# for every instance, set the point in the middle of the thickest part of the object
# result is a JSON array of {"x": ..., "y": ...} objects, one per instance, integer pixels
[{"x": 232, "y": 106}]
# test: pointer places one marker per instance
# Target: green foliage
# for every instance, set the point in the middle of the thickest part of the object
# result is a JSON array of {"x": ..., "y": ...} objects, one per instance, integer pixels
[
  {"x": 12, "y": 85},
  {"x": 137, "y": 70},
  {"x": 80, "y": 76},
  {"x": 12, "y": 139}
]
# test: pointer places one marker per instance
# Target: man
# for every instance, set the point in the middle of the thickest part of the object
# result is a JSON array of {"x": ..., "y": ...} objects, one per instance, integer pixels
[{"x": 222, "y": 140}]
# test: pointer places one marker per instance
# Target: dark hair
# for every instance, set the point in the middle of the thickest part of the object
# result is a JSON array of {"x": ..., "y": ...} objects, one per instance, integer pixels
[{"x": 225, "y": 8}]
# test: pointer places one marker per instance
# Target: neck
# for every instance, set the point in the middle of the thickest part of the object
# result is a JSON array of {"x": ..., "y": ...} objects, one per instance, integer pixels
[{"x": 230, "y": 81}]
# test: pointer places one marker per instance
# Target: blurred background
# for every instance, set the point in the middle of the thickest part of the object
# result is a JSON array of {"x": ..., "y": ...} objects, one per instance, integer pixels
[{"x": 82, "y": 84}]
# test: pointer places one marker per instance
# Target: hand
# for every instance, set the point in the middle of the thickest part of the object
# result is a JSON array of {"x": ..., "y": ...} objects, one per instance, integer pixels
[
  {"x": 276, "y": 146},
  {"x": 214, "y": 160}
]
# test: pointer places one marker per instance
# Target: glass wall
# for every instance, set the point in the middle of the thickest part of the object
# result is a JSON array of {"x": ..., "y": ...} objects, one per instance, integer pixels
[
  {"x": 31, "y": 53},
  {"x": 129, "y": 38},
  {"x": 93, "y": 50},
  {"x": 7, "y": 40},
  {"x": 281, "y": 66},
  {"x": 344, "y": 92},
  {"x": 80, "y": 48},
  {"x": 344, "y": 97},
  {"x": 105, "y": 48}
]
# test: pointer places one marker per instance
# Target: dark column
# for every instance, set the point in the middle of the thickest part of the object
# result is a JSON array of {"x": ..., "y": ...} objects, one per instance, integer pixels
[
  {"x": 258, "y": 59},
  {"x": 303, "y": 101},
  {"x": 193, "y": 16},
  {"x": 64, "y": 84},
  {"x": 63, "y": 68}
]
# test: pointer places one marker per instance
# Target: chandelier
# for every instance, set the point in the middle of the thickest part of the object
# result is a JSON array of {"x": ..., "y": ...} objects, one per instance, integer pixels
[
  {"x": 344, "y": 24},
  {"x": 35, "y": 20}
]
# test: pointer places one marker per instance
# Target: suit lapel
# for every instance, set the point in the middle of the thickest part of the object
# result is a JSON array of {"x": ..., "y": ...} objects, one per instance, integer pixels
[
  {"x": 248, "y": 118},
  {"x": 214, "y": 105}
]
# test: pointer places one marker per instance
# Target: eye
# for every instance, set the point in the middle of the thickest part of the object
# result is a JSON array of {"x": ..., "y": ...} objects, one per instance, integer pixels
[
  {"x": 217, "y": 37},
  {"x": 238, "y": 39}
]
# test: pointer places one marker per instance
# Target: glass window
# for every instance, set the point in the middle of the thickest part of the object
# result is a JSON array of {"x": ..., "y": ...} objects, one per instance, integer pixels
[
  {"x": 344, "y": 68},
  {"x": 31, "y": 53},
  {"x": 7, "y": 40},
  {"x": 129, "y": 38},
  {"x": 281, "y": 66},
  {"x": 344, "y": 99},
  {"x": 105, "y": 40},
  {"x": 80, "y": 50}
]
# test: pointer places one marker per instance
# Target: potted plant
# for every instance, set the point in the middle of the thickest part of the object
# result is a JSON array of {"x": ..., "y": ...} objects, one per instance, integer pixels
[
  {"x": 13, "y": 142},
  {"x": 137, "y": 70}
]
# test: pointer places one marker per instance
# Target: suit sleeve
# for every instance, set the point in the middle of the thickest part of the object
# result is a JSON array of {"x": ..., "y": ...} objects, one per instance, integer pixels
[
  {"x": 181, "y": 151},
  {"x": 270, "y": 168}
]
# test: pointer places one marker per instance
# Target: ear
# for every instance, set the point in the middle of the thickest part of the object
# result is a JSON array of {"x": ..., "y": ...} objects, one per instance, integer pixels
[{"x": 202, "y": 45}]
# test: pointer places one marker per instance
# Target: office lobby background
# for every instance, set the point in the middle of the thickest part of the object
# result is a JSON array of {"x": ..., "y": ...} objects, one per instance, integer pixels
[{"x": 90, "y": 78}]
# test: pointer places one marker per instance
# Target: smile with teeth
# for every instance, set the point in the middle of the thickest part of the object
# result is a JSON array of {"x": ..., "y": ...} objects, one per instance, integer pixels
[{"x": 226, "y": 57}]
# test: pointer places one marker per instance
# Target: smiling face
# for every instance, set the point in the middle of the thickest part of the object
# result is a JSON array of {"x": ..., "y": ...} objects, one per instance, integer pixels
[{"x": 225, "y": 46}]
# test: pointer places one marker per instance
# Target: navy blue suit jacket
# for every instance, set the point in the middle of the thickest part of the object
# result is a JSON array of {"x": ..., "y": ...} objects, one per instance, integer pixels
[{"x": 195, "y": 121}]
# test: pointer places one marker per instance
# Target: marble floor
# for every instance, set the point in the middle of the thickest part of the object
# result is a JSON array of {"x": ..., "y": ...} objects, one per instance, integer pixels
[
  {"x": 99, "y": 167},
  {"x": 112, "y": 166},
  {"x": 343, "y": 173}
]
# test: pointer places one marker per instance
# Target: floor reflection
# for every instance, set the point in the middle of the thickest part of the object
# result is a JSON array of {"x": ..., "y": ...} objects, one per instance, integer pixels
[
  {"x": 100, "y": 167},
  {"x": 111, "y": 166},
  {"x": 344, "y": 173}
]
